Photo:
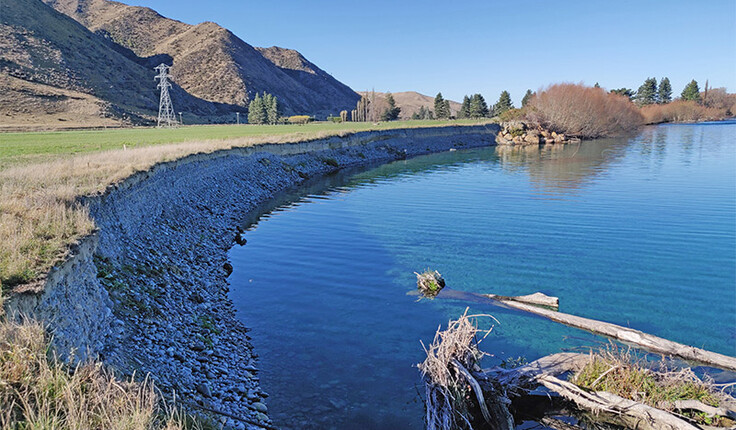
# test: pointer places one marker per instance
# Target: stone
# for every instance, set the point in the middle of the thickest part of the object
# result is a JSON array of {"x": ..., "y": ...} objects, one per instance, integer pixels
[
  {"x": 228, "y": 268},
  {"x": 260, "y": 407},
  {"x": 532, "y": 139},
  {"x": 204, "y": 390}
]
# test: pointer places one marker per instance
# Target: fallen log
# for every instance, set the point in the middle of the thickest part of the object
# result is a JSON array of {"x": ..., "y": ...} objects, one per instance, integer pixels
[
  {"x": 642, "y": 416},
  {"x": 537, "y": 299},
  {"x": 627, "y": 335}
]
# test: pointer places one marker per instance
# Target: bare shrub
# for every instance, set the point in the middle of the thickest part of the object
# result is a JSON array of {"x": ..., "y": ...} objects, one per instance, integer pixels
[
  {"x": 685, "y": 111},
  {"x": 586, "y": 112}
]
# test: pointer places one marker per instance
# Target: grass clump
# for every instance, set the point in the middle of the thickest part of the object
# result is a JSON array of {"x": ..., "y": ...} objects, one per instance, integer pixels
[
  {"x": 430, "y": 283},
  {"x": 39, "y": 392},
  {"x": 625, "y": 375}
]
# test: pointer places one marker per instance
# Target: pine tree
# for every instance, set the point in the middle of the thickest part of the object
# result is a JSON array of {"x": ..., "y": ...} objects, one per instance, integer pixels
[
  {"x": 597, "y": 85},
  {"x": 691, "y": 91},
  {"x": 392, "y": 111},
  {"x": 271, "y": 104},
  {"x": 256, "y": 111},
  {"x": 647, "y": 93},
  {"x": 503, "y": 104},
  {"x": 464, "y": 111},
  {"x": 527, "y": 97},
  {"x": 441, "y": 107},
  {"x": 478, "y": 106},
  {"x": 664, "y": 93},
  {"x": 628, "y": 92}
]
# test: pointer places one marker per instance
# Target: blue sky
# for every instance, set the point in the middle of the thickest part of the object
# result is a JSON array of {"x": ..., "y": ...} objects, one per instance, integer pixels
[{"x": 465, "y": 47}]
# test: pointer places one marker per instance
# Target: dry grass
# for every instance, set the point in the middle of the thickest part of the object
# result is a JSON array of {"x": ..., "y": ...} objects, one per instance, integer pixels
[
  {"x": 683, "y": 111},
  {"x": 580, "y": 111},
  {"x": 39, "y": 212},
  {"x": 38, "y": 392},
  {"x": 621, "y": 373},
  {"x": 447, "y": 391}
]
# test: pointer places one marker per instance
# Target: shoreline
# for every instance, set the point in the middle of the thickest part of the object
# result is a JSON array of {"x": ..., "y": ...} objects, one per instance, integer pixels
[{"x": 147, "y": 292}]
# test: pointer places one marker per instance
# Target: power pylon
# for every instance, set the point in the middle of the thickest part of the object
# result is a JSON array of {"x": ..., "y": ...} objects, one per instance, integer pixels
[{"x": 166, "y": 115}]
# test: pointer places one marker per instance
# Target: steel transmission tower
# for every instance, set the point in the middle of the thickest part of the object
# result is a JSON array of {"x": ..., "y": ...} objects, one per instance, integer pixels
[{"x": 166, "y": 115}]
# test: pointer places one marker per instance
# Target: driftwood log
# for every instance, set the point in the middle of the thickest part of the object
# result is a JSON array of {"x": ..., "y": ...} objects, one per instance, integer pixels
[
  {"x": 607, "y": 406},
  {"x": 624, "y": 334}
]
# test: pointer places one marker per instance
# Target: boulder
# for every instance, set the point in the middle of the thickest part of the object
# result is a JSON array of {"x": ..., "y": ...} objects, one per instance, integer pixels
[{"x": 532, "y": 139}]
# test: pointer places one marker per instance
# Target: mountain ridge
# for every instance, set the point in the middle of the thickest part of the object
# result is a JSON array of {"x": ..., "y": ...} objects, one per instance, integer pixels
[{"x": 211, "y": 62}]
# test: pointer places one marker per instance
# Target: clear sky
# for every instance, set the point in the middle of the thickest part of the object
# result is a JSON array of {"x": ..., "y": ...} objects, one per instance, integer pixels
[{"x": 461, "y": 47}]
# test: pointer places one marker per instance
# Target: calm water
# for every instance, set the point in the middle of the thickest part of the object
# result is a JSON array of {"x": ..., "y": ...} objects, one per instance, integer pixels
[{"x": 638, "y": 232}]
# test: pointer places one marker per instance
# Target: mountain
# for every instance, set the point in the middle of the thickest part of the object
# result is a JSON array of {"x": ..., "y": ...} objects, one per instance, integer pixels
[
  {"x": 210, "y": 62},
  {"x": 411, "y": 101},
  {"x": 50, "y": 65}
]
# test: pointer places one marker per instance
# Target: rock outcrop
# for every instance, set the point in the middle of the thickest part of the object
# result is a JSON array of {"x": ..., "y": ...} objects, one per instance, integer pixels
[{"x": 522, "y": 133}]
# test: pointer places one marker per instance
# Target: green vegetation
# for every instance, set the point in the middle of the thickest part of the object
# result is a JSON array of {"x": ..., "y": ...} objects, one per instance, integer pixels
[
  {"x": 503, "y": 104},
  {"x": 474, "y": 106},
  {"x": 464, "y": 111},
  {"x": 24, "y": 148},
  {"x": 627, "y": 92},
  {"x": 391, "y": 113},
  {"x": 529, "y": 94},
  {"x": 691, "y": 92},
  {"x": 441, "y": 107},
  {"x": 478, "y": 106},
  {"x": 424, "y": 113},
  {"x": 263, "y": 110},
  {"x": 647, "y": 93},
  {"x": 664, "y": 93},
  {"x": 622, "y": 374}
]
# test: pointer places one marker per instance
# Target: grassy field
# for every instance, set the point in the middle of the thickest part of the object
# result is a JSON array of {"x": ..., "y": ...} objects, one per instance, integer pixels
[
  {"x": 42, "y": 174},
  {"x": 30, "y": 147}
]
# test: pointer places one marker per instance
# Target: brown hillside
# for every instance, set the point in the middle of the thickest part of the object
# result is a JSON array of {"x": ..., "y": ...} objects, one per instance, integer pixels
[
  {"x": 411, "y": 101},
  {"x": 212, "y": 63},
  {"x": 50, "y": 50}
]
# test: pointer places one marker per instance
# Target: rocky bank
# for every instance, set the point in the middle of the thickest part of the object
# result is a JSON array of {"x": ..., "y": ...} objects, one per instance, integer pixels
[
  {"x": 522, "y": 133},
  {"x": 147, "y": 292}
]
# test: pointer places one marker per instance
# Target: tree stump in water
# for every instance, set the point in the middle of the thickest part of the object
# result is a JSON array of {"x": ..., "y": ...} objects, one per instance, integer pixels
[{"x": 430, "y": 283}]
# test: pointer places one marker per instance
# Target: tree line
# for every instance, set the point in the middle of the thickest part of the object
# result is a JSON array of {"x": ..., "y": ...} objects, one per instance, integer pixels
[
  {"x": 652, "y": 93},
  {"x": 263, "y": 110}
]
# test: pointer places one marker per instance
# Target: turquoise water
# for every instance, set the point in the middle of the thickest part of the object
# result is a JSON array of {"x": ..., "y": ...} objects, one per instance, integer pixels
[{"x": 639, "y": 232}]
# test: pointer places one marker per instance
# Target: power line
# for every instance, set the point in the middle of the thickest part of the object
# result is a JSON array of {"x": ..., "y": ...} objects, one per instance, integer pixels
[{"x": 166, "y": 115}]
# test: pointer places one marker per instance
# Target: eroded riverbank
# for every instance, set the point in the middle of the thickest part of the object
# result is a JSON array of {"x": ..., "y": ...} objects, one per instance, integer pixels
[{"x": 147, "y": 293}]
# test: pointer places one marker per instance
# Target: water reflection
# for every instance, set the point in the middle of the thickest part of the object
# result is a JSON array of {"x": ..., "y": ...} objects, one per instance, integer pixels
[{"x": 561, "y": 168}]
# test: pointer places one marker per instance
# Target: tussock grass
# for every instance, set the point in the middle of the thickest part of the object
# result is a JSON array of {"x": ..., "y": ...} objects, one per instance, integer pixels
[
  {"x": 40, "y": 215},
  {"x": 39, "y": 392},
  {"x": 621, "y": 373}
]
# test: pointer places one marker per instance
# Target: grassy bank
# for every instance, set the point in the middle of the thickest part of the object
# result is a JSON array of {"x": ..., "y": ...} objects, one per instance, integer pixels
[
  {"x": 29, "y": 147},
  {"x": 43, "y": 174}
]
